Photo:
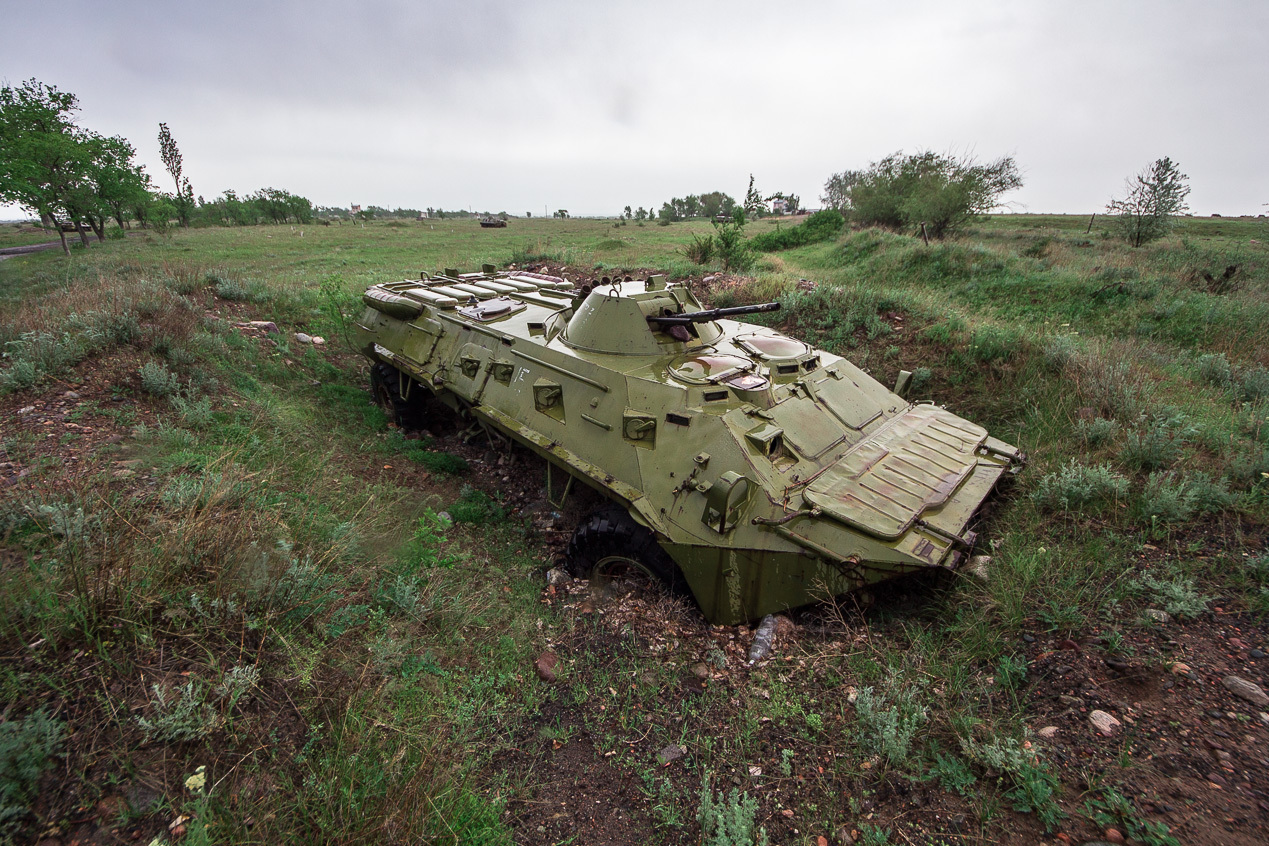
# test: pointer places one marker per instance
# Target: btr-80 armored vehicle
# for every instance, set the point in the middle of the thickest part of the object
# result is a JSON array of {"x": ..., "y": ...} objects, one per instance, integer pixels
[{"x": 742, "y": 464}]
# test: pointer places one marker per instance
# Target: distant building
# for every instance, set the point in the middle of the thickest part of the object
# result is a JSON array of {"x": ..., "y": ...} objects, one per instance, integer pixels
[
  {"x": 355, "y": 208},
  {"x": 778, "y": 205}
]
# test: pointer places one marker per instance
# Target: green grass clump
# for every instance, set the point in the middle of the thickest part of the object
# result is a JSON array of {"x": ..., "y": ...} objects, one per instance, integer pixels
[
  {"x": 1177, "y": 595},
  {"x": 239, "y": 290},
  {"x": 475, "y": 507}
]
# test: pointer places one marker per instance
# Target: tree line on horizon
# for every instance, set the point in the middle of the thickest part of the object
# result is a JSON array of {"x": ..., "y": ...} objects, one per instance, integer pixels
[{"x": 74, "y": 177}]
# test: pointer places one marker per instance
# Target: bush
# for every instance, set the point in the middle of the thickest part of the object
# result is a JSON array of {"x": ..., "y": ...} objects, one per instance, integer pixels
[
  {"x": 1165, "y": 499},
  {"x": 1157, "y": 442},
  {"x": 700, "y": 250},
  {"x": 26, "y": 746},
  {"x": 1077, "y": 487},
  {"x": 156, "y": 379},
  {"x": 943, "y": 192},
  {"x": 1097, "y": 431},
  {"x": 818, "y": 227},
  {"x": 728, "y": 820},
  {"x": 241, "y": 291},
  {"x": 1152, "y": 200},
  {"x": 1253, "y": 384},
  {"x": 1214, "y": 370},
  {"x": 1177, "y": 596},
  {"x": 475, "y": 507},
  {"x": 889, "y": 728}
]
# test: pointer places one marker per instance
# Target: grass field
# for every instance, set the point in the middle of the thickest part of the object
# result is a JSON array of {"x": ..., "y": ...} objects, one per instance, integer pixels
[{"x": 231, "y": 610}]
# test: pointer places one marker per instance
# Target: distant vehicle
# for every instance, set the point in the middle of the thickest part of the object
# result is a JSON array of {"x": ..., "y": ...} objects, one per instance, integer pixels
[
  {"x": 753, "y": 470},
  {"x": 493, "y": 222}
]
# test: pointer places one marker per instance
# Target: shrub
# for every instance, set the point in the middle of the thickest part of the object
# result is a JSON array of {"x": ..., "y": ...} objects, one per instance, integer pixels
[
  {"x": 1253, "y": 384},
  {"x": 1034, "y": 787},
  {"x": 184, "y": 716},
  {"x": 1097, "y": 431},
  {"x": 1214, "y": 369},
  {"x": 157, "y": 380},
  {"x": 1058, "y": 352},
  {"x": 1077, "y": 487},
  {"x": 943, "y": 192},
  {"x": 26, "y": 747},
  {"x": 1177, "y": 596},
  {"x": 444, "y": 462},
  {"x": 890, "y": 728},
  {"x": 1165, "y": 499},
  {"x": 731, "y": 248},
  {"x": 1157, "y": 442},
  {"x": 818, "y": 227},
  {"x": 1152, "y": 200},
  {"x": 728, "y": 820},
  {"x": 245, "y": 290},
  {"x": 700, "y": 250}
]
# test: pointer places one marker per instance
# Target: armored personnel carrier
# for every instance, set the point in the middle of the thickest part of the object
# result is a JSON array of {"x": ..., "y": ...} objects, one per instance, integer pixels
[{"x": 740, "y": 464}]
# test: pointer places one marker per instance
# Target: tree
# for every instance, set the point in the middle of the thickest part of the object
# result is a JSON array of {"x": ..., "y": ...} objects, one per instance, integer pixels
[
  {"x": 941, "y": 192},
  {"x": 755, "y": 206},
  {"x": 43, "y": 158},
  {"x": 837, "y": 189},
  {"x": 183, "y": 199},
  {"x": 561, "y": 213},
  {"x": 641, "y": 214},
  {"x": 1152, "y": 199},
  {"x": 626, "y": 213},
  {"x": 716, "y": 203}
]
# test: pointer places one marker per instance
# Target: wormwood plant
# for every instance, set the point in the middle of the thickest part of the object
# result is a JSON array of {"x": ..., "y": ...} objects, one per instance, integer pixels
[
  {"x": 1077, "y": 487},
  {"x": 890, "y": 728},
  {"x": 26, "y": 747},
  {"x": 1032, "y": 787},
  {"x": 1177, "y": 596},
  {"x": 157, "y": 380},
  {"x": 728, "y": 820}
]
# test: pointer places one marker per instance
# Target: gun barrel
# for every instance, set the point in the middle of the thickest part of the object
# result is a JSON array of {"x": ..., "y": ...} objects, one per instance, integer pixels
[{"x": 713, "y": 314}]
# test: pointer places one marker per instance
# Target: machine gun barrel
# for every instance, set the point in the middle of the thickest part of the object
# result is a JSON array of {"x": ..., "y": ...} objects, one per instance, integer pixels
[{"x": 712, "y": 314}]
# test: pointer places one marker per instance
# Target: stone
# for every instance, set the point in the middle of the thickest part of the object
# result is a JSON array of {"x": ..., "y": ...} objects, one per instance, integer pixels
[
  {"x": 319, "y": 341},
  {"x": 1179, "y": 669},
  {"x": 1257, "y": 653},
  {"x": 1236, "y": 643},
  {"x": 671, "y": 753},
  {"x": 1105, "y": 724},
  {"x": 303, "y": 339},
  {"x": 1158, "y": 616},
  {"x": 1071, "y": 701},
  {"x": 1114, "y": 836},
  {"x": 1047, "y": 732},
  {"x": 700, "y": 670},
  {"x": 556, "y": 577},
  {"x": 1028, "y": 638},
  {"x": 71, "y": 395},
  {"x": 545, "y": 666},
  {"x": 979, "y": 567},
  {"x": 1246, "y": 690},
  {"x": 267, "y": 325}
]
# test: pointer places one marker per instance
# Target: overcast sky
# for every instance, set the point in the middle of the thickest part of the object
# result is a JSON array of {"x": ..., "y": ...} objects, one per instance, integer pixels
[{"x": 589, "y": 106}]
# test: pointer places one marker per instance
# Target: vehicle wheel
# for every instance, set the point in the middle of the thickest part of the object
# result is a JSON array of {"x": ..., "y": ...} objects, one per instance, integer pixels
[
  {"x": 384, "y": 385},
  {"x": 610, "y": 547}
]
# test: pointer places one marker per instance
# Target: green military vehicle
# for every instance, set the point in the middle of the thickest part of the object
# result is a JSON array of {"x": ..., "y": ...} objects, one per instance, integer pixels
[{"x": 741, "y": 464}]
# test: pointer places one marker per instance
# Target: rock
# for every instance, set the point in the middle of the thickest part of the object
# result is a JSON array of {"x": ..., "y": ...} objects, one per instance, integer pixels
[
  {"x": 1158, "y": 616},
  {"x": 25, "y": 410},
  {"x": 319, "y": 341},
  {"x": 444, "y": 515},
  {"x": 1069, "y": 645},
  {"x": 979, "y": 567},
  {"x": 1105, "y": 724},
  {"x": 1028, "y": 638},
  {"x": 1047, "y": 732},
  {"x": 671, "y": 753},
  {"x": 1071, "y": 701},
  {"x": 71, "y": 395},
  {"x": 700, "y": 670},
  {"x": 844, "y": 837},
  {"x": 1246, "y": 690},
  {"x": 821, "y": 841},
  {"x": 545, "y": 666},
  {"x": 303, "y": 339},
  {"x": 556, "y": 577},
  {"x": 1113, "y": 835},
  {"x": 1179, "y": 669},
  {"x": 267, "y": 325},
  {"x": 1257, "y": 653}
]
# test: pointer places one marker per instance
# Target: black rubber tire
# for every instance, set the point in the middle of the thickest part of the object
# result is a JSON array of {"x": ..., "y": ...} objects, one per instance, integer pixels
[
  {"x": 384, "y": 387},
  {"x": 612, "y": 542}
]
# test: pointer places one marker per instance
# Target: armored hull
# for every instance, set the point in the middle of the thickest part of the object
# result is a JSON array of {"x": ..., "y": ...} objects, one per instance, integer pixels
[{"x": 769, "y": 473}]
